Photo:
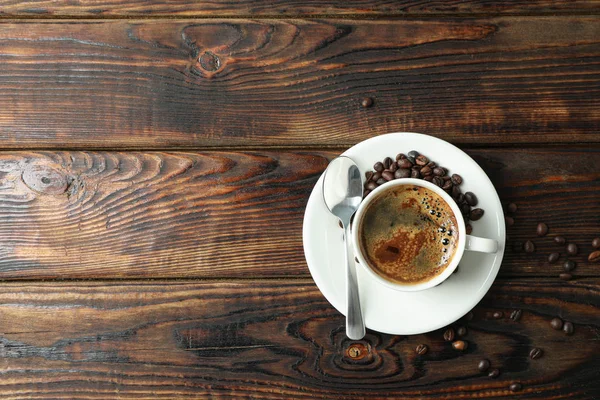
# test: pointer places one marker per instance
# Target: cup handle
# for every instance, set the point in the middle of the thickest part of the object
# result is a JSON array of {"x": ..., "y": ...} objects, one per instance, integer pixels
[{"x": 482, "y": 245}]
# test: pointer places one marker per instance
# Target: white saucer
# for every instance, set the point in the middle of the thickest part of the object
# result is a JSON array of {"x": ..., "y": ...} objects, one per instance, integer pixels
[{"x": 387, "y": 310}]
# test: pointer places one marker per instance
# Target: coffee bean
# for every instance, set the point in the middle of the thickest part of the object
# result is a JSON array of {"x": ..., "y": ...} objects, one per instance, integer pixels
[
  {"x": 542, "y": 229},
  {"x": 516, "y": 315},
  {"x": 553, "y": 257},
  {"x": 461, "y": 199},
  {"x": 421, "y": 160},
  {"x": 565, "y": 277},
  {"x": 536, "y": 353},
  {"x": 461, "y": 331},
  {"x": 368, "y": 175},
  {"x": 378, "y": 166},
  {"x": 449, "y": 335},
  {"x": 594, "y": 256},
  {"x": 460, "y": 345},
  {"x": 515, "y": 387},
  {"x": 431, "y": 165},
  {"x": 455, "y": 192},
  {"x": 438, "y": 181},
  {"x": 376, "y": 176},
  {"x": 387, "y": 162},
  {"x": 572, "y": 249},
  {"x": 469, "y": 316},
  {"x": 568, "y": 328},
  {"x": 559, "y": 240},
  {"x": 405, "y": 163},
  {"x": 439, "y": 171},
  {"x": 447, "y": 185},
  {"x": 421, "y": 349},
  {"x": 413, "y": 153},
  {"x": 465, "y": 209},
  {"x": 400, "y": 156},
  {"x": 371, "y": 185},
  {"x": 366, "y": 193},
  {"x": 556, "y": 324},
  {"x": 393, "y": 167},
  {"x": 512, "y": 207},
  {"x": 456, "y": 179},
  {"x": 415, "y": 174},
  {"x": 416, "y": 167},
  {"x": 469, "y": 229},
  {"x": 426, "y": 170},
  {"x": 366, "y": 102},
  {"x": 387, "y": 175},
  {"x": 494, "y": 373},
  {"x": 428, "y": 178},
  {"x": 509, "y": 221},
  {"x": 498, "y": 315},
  {"x": 476, "y": 214},
  {"x": 569, "y": 265},
  {"x": 402, "y": 173},
  {"x": 596, "y": 243},
  {"x": 380, "y": 181},
  {"x": 529, "y": 247},
  {"x": 483, "y": 365},
  {"x": 471, "y": 198}
]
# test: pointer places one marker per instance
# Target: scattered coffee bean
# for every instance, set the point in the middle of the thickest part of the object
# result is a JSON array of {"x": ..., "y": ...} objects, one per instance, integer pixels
[
  {"x": 456, "y": 193},
  {"x": 439, "y": 171},
  {"x": 400, "y": 156},
  {"x": 565, "y": 277},
  {"x": 568, "y": 328},
  {"x": 460, "y": 345},
  {"x": 469, "y": 316},
  {"x": 515, "y": 387},
  {"x": 449, "y": 335},
  {"x": 461, "y": 331},
  {"x": 553, "y": 257},
  {"x": 594, "y": 256},
  {"x": 596, "y": 243},
  {"x": 402, "y": 173},
  {"x": 376, "y": 176},
  {"x": 569, "y": 265},
  {"x": 483, "y": 365},
  {"x": 378, "y": 166},
  {"x": 559, "y": 240},
  {"x": 516, "y": 315},
  {"x": 371, "y": 185},
  {"x": 498, "y": 315},
  {"x": 438, "y": 181},
  {"x": 461, "y": 199},
  {"x": 572, "y": 249},
  {"x": 421, "y": 349},
  {"x": 529, "y": 247},
  {"x": 415, "y": 174},
  {"x": 426, "y": 171},
  {"x": 428, "y": 178},
  {"x": 494, "y": 373},
  {"x": 366, "y": 102},
  {"x": 447, "y": 186},
  {"x": 465, "y": 209},
  {"x": 542, "y": 229},
  {"x": 413, "y": 154},
  {"x": 387, "y": 175},
  {"x": 393, "y": 167},
  {"x": 469, "y": 229},
  {"x": 509, "y": 221},
  {"x": 380, "y": 181},
  {"x": 456, "y": 179},
  {"x": 536, "y": 353},
  {"x": 512, "y": 207},
  {"x": 405, "y": 163},
  {"x": 476, "y": 214},
  {"x": 471, "y": 198},
  {"x": 387, "y": 162},
  {"x": 556, "y": 324},
  {"x": 421, "y": 160},
  {"x": 368, "y": 175}
]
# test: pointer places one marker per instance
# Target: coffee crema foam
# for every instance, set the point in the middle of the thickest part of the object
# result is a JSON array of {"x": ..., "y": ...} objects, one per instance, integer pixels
[{"x": 408, "y": 234}]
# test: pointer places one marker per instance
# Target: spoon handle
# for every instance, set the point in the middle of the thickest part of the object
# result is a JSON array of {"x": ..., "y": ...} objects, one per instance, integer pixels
[{"x": 355, "y": 325}]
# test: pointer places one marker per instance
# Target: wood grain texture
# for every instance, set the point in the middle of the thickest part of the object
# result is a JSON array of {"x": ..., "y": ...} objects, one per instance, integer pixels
[
  {"x": 281, "y": 339},
  {"x": 208, "y": 82},
  {"x": 239, "y": 214},
  {"x": 95, "y": 8}
]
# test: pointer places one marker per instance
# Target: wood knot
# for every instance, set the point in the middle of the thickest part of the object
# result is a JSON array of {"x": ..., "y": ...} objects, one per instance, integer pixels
[
  {"x": 46, "y": 180},
  {"x": 209, "y": 61},
  {"x": 357, "y": 351}
]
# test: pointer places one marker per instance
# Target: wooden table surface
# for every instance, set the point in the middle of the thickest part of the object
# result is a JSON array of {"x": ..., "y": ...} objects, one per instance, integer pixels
[{"x": 156, "y": 160}]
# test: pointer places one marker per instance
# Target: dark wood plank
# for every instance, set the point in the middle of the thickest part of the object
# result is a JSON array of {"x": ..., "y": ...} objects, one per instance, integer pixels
[
  {"x": 207, "y": 82},
  {"x": 239, "y": 214},
  {"x": 275, "y": 339},
  {"x": 95, "y": 8}
]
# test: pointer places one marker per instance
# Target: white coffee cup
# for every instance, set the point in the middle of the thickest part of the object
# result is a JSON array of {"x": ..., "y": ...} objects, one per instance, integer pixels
[{"x": 465, "y": 242}]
